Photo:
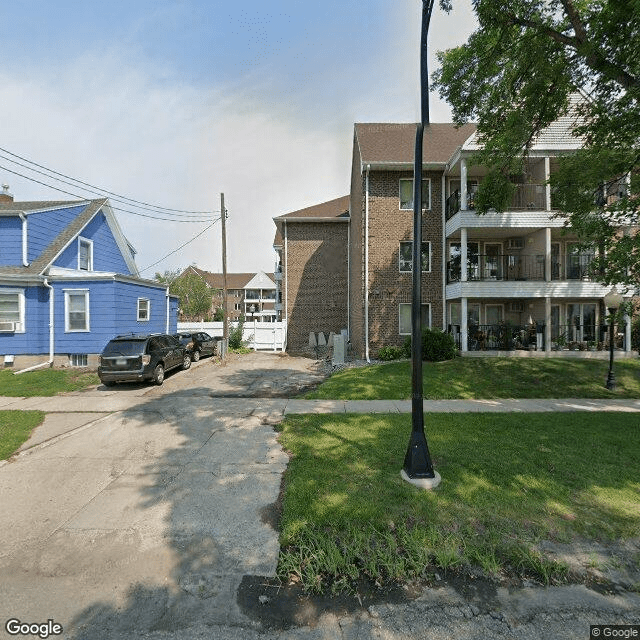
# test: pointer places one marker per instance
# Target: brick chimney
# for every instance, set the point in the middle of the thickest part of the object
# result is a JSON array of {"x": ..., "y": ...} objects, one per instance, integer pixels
[{"x": 5, "y": 196}]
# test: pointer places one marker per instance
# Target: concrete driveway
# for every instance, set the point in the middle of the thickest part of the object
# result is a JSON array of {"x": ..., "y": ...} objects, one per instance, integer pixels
[{"x": 140, "y": 508}]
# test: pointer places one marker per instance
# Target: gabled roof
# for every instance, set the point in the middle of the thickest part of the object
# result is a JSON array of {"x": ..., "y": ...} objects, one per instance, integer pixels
[
  {"x": 234, "y": 280},
  {"x": 60, "y": 242},
  {"x": 332, "y": 210},
  {"x": 390, "y": 144},
  {"x": 260, "y": 281}
]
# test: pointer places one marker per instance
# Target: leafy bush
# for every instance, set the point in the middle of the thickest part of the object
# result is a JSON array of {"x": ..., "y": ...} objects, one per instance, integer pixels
[
  {"x": 235, "y": 336},
  {"x": 391, "y": 353},
  {"x": 437, "y": 346}
]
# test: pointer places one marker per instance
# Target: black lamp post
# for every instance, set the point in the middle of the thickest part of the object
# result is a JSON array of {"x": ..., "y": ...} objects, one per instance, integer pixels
[
  {"x": 417, "y": 468},
  {"x": 612, "y": 302}
]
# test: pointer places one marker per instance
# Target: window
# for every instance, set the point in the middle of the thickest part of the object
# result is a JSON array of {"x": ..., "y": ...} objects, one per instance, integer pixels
[
  {"x": 144, "y": 308},
  {"x": 405, "y": 318},
  {"x": 78, "y": 359},
  {"x": 76, "y": 306},
  {"x": 406, "y": 257},
  {"x": 406, "y": 194},
  {"x": 85, "y": 254},
  {"x": 12, "y": 310}
]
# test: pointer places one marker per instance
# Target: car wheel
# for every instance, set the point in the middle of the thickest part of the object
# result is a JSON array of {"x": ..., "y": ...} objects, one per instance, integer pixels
[
  {"x": 186, "y": 361},
  {"x": 158, "y": 374},
  {"x": 195, "y": 356}
]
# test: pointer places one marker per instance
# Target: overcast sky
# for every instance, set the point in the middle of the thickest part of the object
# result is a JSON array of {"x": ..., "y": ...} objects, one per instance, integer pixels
[{"x": 172, "y": 102}]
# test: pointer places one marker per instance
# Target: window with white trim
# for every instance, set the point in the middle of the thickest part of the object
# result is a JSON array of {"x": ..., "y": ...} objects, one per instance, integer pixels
[
  {"x": 406, "y": 194},
  {"x": 144, "y": 309},
  {"x": 12, "y": 310},
  {"x": 76, "y": 310},
  {"x": 404, "y": 311},
  {"x": 85, "y": 254},
  {"x": 78, "y": 359},
  {"x": 406, "y": 257}
]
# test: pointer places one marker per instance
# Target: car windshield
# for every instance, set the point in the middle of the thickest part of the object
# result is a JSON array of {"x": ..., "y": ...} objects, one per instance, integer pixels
[{"x": 124, "y": 348}]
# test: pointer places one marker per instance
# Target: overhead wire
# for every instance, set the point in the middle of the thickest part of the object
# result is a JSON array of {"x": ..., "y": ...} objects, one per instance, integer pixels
[{"x": 91, "y": 186}]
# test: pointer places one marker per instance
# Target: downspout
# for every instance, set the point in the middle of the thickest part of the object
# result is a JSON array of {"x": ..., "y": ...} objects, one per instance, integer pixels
[
  {"x": 443, "y": 185},
  {"x": 366, "y": 266},
  {"x": 286, "y": 282},
  {"x": 349, "y": 279},
  {"x": 25, "y": 261},
  {"x": 168, "y": 305},
  {"x": 51, "y": 332}
]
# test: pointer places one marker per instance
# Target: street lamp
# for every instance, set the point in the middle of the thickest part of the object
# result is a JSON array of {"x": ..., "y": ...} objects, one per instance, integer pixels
[
  {"x": 417, "y": 468},
  {"x": 612, "y": 301}
]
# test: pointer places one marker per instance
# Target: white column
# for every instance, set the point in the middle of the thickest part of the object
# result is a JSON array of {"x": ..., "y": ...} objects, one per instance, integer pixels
[
  {"x": 547, "y": 255},
  {"x": 463, "y": 255},
  {"x": 547, "y": 324},
  {"x": 547, "y": 174},
  {"x": 627, "y": 332},
  {"x": 463, "y": 184},
  {"x": 464, "y": 329}
]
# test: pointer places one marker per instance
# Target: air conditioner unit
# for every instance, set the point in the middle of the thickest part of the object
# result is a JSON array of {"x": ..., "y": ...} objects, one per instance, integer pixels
[
  {"x": 515, "y": 243},
  {"x": 7, "y": 327},
  {"x": 516, "y": 307}
]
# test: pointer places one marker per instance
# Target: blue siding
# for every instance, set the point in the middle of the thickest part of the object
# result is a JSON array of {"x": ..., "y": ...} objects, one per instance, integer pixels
[
  {"x": 10, "y": 241},
  {"x": 44, "y": 227},
  {"x": 113, "y": 309},
  {"x": 106, "y": 253}
]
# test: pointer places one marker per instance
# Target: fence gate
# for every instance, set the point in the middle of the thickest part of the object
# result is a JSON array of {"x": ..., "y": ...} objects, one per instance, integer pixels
[{"x": 262, "y": 336}]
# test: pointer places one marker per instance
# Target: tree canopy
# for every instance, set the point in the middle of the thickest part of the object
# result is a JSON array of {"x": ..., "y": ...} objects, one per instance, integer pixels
[
  {"x": 194, "y": 294},
  {"x": 520, "y": 71}
]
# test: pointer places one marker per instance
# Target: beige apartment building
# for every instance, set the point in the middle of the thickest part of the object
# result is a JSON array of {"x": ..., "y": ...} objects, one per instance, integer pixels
[{"x": 506, "y": 282}]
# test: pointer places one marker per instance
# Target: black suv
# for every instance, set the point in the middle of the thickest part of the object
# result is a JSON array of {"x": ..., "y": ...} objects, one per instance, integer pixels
[
  {"x": 198, "y": 344},
  {"x": 133, "y": 357}
]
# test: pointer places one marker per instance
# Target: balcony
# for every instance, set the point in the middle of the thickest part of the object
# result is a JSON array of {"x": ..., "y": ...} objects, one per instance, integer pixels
[
  {"x": 526, "y": 197},
  {"x": 517, "y": 267}
]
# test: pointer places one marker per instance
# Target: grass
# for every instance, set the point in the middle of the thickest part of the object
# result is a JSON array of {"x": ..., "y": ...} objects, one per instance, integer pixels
[
  {"x": 45, "y": 382},
  {"x": 485, "y": 378},
  {"x": 15, "y": 429},
  {"x": 509, "y": 481}
]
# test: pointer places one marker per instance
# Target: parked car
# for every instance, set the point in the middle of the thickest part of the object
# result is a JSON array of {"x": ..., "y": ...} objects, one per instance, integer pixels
[
  {"x": 198, "y": 344},
  {"x": 136, "y": 357}
]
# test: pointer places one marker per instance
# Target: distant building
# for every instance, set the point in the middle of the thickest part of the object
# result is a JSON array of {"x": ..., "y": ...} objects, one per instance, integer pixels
[{"x": 249, "y": 295}]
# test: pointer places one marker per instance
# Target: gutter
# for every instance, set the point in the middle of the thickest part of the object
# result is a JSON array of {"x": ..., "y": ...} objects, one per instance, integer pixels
[
  {"x": 366, "y": 266},
  {"x": 51, "y": 332}
]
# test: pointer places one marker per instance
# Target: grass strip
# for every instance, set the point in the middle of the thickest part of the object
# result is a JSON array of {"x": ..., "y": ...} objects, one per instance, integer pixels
[
  {"x": 485, "y": 378},
  {"x": 45, "y": 382},
  {"x": 15, "y": 429},
  {"x": 509, "y": 481}
]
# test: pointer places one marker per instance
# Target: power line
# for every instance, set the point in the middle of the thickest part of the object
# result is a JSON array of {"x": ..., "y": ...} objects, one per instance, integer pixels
[
  {"x": 76, "y": 195},
  {"x": 180, "y": 247},
  {"x": 93, "y": 187}
]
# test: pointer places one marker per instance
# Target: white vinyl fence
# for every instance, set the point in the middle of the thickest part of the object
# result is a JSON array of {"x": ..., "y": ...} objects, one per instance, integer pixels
[{"x": 262, "y": 336}]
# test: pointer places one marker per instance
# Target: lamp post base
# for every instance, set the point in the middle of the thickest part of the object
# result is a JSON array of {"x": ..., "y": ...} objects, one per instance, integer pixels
[
  {"x": 422, "y": 483},
  {"x": 611, "y": 381}
]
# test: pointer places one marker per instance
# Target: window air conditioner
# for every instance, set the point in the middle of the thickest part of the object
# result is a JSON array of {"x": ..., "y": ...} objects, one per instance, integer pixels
[
  {"x": 515, "y": 243},
  {"x": 516, "y": 307},
  {"x": 7, "y": 327}
]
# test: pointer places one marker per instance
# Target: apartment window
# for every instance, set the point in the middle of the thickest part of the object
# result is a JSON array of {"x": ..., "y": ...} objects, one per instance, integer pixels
[
  {"x": 237, "y": 306},
  {"x": 406, "y": 256},
  {"x": 405, "y": 317},
  {"x": 85, "y": 254},
  {"x": 12, "y": 310},
  {"x": 76, "y": 310},
  {"x": 406, "y": 194},
  {"x": 78, "y": 360},
  {"x": 144, "y": 308}
]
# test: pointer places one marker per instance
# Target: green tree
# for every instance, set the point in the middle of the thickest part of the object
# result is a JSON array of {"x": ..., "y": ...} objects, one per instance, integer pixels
[
  {"x": 520, "y": 71},
  {"x": 193, "y": 292}
]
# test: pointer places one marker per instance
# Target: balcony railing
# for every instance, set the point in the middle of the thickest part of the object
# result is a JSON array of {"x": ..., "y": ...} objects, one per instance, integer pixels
[
  {"x": 498, "y": 267},
  {"x": 507, "y": 337},
  {"x": 526, "y": 197}
]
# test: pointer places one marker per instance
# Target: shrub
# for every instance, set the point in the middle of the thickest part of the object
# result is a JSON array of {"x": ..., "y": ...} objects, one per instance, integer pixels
[
  {"x": 235, "y": 335},
  {"x": 437, "y": 346},
  {"x": 391, "y": 353}
]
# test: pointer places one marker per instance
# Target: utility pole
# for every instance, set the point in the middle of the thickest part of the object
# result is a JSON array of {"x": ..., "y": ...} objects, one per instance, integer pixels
[{"x": 225, "y": 320}]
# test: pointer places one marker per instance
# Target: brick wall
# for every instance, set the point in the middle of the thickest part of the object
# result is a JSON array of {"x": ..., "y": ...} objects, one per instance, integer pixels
[{"x": 316, "y": 281}]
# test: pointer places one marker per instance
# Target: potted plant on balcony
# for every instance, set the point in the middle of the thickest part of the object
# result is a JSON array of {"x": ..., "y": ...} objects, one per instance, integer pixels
[{"x": 559, "y": 343}]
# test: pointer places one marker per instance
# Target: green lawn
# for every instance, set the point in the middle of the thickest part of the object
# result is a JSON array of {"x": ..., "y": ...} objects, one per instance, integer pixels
[
  {"x": 45, "y": 382},
  {"x": 485, "y": 378},
  {"x": 509, "y": 480},
  {"x": 15, "y": 428}
]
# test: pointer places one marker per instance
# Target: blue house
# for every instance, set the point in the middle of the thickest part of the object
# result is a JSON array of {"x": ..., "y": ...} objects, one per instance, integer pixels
[{"x": 69, "y": 283}]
